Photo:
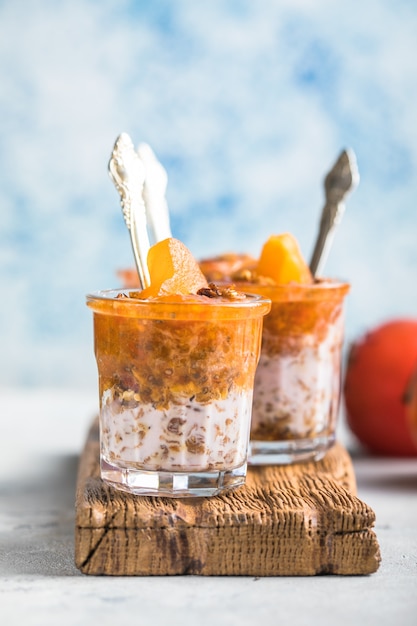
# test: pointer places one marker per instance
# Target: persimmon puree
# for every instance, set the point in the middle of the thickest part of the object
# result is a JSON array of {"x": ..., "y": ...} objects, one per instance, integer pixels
[
  {"x": 222, "y": 267},
  {"x": 188, "y": 347}
]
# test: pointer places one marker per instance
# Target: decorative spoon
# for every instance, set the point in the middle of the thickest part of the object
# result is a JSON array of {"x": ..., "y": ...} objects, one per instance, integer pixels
[
  {"x": 154, "y": 190},
  {"x": 339, "y": 182},
  {"x": 127, "y": 172}
]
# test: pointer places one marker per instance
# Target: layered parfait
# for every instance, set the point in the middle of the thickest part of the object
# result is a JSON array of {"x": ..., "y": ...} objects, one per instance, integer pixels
[
  {"x": 176, "y": 366},
  {"x": 297, "y": 383}
]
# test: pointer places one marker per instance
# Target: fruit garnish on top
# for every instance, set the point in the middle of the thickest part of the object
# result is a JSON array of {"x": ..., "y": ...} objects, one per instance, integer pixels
[
  {"x": 280, "y": 263},
  {"x": 172, "y": 270},
  {"x": 175, "y": 274}
]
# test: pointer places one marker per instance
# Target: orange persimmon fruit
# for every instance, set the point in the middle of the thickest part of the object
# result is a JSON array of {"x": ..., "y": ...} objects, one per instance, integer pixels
[
  {"x": 410, "y": 400},
  {"x": 281, "y": 259},
  {"x": 173, "y": 270},
  {"x": 378, "y": 374}
]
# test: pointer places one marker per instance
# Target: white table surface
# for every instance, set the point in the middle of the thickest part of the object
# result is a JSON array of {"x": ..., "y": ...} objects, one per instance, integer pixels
[{"x": 41, "y": 435}]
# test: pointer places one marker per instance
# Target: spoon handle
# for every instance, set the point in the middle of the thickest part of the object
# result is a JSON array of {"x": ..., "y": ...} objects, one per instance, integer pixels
[
  {"x": 154, "y": 194},
  {"x": 341, "y": 179},
  {"x": 128, "y": 175}
]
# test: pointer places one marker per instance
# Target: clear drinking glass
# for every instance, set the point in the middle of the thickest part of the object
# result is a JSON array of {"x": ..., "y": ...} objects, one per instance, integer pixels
[
  {"x": 298, "y": 379},
  {"x": 175, "y": 385}
]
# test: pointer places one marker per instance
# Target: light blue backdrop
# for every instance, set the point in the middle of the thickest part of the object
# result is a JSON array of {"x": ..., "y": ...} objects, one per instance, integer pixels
[{"x": 246, "y": 103}]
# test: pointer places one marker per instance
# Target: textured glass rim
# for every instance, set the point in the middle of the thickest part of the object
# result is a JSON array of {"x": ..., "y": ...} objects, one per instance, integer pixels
[{"x": 106, "y": 302}]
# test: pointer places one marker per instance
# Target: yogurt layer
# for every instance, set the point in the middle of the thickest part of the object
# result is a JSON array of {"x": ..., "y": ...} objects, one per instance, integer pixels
[
  {"x": 187, "y": 436},
  {"x": 297, "y": 391}
]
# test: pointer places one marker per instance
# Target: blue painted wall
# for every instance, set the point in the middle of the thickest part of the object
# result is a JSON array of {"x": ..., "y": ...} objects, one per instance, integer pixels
[{"x": 247, "y": 104}]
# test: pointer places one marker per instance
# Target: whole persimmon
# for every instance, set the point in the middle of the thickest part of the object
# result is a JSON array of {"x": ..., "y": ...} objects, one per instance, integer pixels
[
  {"x": 411, "y": 405},
  {"x": 379, "y": 369}
]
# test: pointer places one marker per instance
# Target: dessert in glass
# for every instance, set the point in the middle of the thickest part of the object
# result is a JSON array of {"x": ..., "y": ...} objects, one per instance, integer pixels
[
  {"x": 298, "y": 379},
  {"x": 176, "y": 364}
]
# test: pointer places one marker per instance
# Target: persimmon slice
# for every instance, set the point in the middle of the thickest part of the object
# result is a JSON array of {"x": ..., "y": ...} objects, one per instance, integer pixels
[
  {"x": 281, "y": 259},
  {"x": 173, "y": 270}
]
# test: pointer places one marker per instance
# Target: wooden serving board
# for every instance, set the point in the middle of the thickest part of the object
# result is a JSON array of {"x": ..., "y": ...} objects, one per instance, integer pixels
[{"x": 294, "y": 520}]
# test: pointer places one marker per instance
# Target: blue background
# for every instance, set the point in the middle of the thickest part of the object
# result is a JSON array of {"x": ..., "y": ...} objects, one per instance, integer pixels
[{"x": 247, "y": 105}]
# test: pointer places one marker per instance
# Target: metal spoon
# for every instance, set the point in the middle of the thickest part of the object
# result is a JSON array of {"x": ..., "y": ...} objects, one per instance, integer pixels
[
  {"x": 127, "y": 172},
  {"x": 339, "y": 182},
  {"x": 154, "y": 190}
]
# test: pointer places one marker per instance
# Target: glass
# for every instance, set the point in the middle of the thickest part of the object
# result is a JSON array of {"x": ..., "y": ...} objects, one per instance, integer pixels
[
  {"x": 298, "y": 380},
  {"x": 175, "y": 386}
]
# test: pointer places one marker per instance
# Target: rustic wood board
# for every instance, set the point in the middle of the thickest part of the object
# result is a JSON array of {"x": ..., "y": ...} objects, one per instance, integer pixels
[{"x": 295, "y": 520}]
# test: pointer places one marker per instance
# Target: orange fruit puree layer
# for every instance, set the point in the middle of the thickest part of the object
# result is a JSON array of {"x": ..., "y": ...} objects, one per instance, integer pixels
[{"x": 163, "y": 361}]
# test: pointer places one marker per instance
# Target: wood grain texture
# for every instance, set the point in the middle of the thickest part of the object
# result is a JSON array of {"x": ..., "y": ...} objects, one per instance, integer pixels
[{"x": 295, "y": 520}]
